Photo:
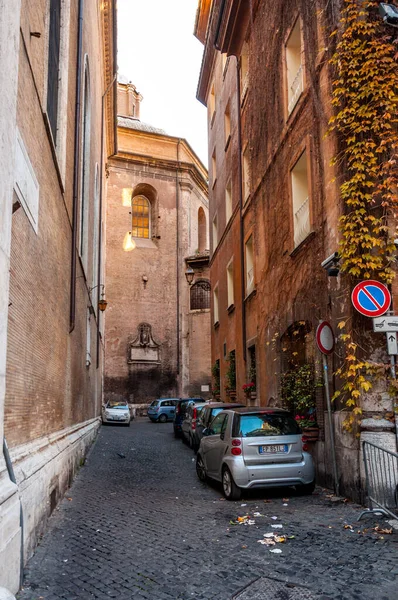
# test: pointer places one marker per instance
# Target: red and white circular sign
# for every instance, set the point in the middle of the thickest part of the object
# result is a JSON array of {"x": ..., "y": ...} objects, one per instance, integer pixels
[
  {"x": 371, "y": 298},
  {"x": 325, "y": 337}
]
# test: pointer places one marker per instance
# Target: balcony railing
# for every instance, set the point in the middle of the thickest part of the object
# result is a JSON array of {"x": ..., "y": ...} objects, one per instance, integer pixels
[
  {"x": 301, "y": 222},
  {"x": 296, "y": 88}
]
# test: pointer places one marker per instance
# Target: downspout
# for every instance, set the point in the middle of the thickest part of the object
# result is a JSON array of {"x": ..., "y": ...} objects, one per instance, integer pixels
[
  {"x": 242, "y": 245},
  {"x": 12, "y": 477},
  {"x": 100, "y": 211},
  {"x": 72, "y": 313},
  {"x": 113, "y": 83},
  {"x": 178, "y": 255}
]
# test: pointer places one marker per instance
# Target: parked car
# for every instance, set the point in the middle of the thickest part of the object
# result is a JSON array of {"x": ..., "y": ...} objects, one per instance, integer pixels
[
  {"x": 116, "y": 412},
  {"x": 179, "y": 416},
  {"x": 255, "y": 447},
  {"x": 190, "y": 421},
  {"x": 206, "y": 416},
  {"x": 162, "y": 410}
]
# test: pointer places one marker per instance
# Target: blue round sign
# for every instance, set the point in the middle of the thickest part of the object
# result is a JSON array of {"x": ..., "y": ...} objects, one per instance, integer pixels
[{"x": 371, "y": 298}]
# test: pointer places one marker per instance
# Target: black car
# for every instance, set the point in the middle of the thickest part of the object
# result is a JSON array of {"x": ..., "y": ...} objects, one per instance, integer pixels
[
  {"x": 207, "y": 415},
  {"x": 179, "y": 416}
]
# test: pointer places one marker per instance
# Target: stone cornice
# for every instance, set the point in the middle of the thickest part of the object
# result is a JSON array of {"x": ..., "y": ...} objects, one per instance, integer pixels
[{"x": 164, "y": 164}]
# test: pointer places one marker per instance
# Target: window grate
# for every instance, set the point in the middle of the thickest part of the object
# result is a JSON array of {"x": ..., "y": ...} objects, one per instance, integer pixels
[{"x": 200, "y": 295}]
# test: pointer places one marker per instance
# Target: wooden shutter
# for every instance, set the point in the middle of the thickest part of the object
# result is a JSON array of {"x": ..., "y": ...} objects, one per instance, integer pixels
[{"x": 53, "y": 65}]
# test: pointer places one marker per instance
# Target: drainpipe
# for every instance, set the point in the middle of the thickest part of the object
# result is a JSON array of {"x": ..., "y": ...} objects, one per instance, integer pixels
[
  {"x": 178, "y": 255},
  {"x": 242, "y": 244},
  {"x": 76, "y": 164},
  {"x": 104, "y": 95},
  {"x": 11, "y": 475},
  {"x": 113, "y": 83}
]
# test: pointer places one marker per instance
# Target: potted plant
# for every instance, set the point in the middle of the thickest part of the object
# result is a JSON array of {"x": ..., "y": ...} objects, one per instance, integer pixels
[
  {"x": 309, "y": 427},
  {"x": 249, "y": 389},
  {"x": 298, "y": 392},
  {"x": 230, "y": 377},
  {"x": 215, "y": 371}
]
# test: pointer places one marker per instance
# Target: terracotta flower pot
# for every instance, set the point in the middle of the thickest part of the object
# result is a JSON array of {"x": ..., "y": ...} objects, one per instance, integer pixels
[{"x": 311, "y": 434}]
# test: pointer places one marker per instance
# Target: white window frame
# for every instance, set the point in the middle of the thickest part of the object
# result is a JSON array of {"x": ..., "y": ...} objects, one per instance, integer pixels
[
  {"x": 300, "y": 199},
  {"x": 230, "y": 283},
  {"x": 216, "y": 307},
  {"x": 249, "y": 265},
  {"x": 294, "y": 66}
]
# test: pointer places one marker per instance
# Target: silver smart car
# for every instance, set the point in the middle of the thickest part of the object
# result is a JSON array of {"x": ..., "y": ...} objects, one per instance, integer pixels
[{"x": 255, "y": 447}]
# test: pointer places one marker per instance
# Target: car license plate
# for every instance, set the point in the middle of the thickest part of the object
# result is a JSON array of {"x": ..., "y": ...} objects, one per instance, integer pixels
[{"x": 274, "y": 449}]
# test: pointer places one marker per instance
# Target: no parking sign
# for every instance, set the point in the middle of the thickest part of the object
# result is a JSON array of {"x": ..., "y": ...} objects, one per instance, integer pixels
[{"x": 371, "y": 298}]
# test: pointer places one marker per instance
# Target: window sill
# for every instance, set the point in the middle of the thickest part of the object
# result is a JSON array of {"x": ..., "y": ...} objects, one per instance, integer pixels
[
  {"x": 227, "y": 143},
  {"x": 231, "y": 308},
  {"x": 251, "y": 294},
  {"x": 305, "y": 241},
  {"x": 216, "y": 325}
]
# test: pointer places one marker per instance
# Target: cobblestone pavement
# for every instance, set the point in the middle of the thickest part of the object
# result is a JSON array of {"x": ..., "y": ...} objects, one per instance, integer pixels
[{"x": 143, "y": 526}]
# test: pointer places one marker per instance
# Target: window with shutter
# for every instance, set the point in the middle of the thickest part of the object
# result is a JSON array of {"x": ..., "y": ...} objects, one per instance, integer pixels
[{"x": 53, "y": 65}]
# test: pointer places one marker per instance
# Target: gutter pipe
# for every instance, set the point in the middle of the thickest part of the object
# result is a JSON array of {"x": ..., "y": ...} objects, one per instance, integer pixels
[
  {"x": 72, "y": 313},
  {"x": 242, "y": 249}
]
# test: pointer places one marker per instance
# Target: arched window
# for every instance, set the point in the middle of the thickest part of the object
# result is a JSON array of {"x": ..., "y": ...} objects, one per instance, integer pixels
[
  {"x": 141, "y": 215},
  {"x": 200, "y": 295},
  {"x": 201, "y": 230}
]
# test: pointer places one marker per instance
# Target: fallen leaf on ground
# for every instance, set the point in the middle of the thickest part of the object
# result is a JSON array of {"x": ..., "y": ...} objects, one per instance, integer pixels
[{"x": 381, "y": 530}]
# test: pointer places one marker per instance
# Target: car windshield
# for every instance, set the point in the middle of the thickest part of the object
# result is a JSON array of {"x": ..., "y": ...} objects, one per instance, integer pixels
[
  {"x": 267, "y": 424},
  {"x": 117, "y": 405},
  {"x": 154, "y": 403}
]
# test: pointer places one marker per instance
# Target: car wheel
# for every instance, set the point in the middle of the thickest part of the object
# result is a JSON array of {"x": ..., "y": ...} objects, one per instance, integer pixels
[
  {"x": 305, "y": 490},
  {"x": 200, "y": 468},
  {"x": 162, "y": 419},
  {"x": 229, "y": 487}
]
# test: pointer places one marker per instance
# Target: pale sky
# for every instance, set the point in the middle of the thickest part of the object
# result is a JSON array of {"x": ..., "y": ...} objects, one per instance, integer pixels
[{"x": 159, "y": 54}]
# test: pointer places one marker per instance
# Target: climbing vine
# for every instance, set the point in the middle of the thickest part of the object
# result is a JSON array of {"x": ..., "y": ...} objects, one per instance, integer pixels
[{"x": 365, "y": 98}]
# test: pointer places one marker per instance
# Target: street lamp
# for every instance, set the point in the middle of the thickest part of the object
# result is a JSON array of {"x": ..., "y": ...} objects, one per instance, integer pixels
[
  {"x": 102, "y": 303},
  {"x": 189, "y": 275}
]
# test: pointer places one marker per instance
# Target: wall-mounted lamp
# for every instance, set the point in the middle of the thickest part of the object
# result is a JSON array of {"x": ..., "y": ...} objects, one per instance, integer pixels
[
  {"x": 128, "y": 242},
  {"x": 102, "y": 303},
  {"x": 189, "y": 275}
]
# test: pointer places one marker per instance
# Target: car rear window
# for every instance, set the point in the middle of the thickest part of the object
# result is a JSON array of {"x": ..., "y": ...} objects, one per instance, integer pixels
[
  {"x": 215, "y": 411},
  {"x": 266, "y": 424}
]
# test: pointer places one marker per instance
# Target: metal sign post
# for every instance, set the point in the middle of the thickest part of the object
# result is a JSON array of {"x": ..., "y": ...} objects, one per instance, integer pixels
[
  {"x": 331, "y": 429},
  {"x": 325, "y": 343}
]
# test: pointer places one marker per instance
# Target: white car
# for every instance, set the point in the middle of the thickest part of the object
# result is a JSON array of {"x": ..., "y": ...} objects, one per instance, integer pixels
[{"x": 116, "y": 412}]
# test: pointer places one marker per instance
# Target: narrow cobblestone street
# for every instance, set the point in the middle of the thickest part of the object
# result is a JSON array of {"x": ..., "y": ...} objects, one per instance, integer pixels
[{"x": 143, "y": 526}]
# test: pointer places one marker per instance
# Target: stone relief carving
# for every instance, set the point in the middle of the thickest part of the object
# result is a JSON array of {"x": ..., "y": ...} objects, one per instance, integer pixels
[{"x": 143, "y": 349}]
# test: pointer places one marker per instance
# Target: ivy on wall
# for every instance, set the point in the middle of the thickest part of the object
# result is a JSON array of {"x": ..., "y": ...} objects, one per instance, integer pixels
[{"x": 365, "y": 98}]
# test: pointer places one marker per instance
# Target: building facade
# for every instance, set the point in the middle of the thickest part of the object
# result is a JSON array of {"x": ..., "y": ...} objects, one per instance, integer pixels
[
  {"x": 274, "y": 209},
  {"x": 57, "y": 126},
  {"x": 157, "y": 326}
]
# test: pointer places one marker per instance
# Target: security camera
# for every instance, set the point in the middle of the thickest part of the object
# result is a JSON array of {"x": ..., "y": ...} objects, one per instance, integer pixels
[
  {"x": 331, "y": 264},
  {"x": 389, "y": 14}
]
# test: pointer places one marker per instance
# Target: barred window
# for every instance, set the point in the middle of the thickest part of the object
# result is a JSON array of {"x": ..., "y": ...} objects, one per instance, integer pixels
[
  {"x": 141, "y": 214},
  {"x": 200, "y": 295}
]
